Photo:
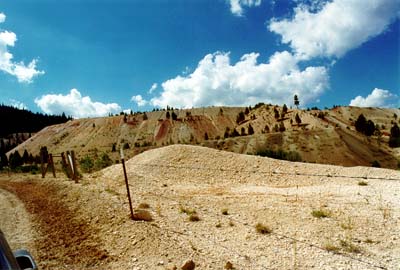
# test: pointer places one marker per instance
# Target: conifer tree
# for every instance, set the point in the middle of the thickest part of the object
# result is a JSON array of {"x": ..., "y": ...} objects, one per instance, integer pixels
[{"x": 250, "y": 130}]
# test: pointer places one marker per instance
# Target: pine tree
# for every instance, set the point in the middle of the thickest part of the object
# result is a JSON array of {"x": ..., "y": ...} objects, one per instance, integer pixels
[
  {"x": 296, "y": 101},
  {"x": 174, "y": 116},
  {"x": 276, "y": 113},
  {"x": 369, "y": 128},
  {"x": 284, "y": 109},
  {"x": 297, "y": 118},
  {"x": 250, "y": 130},
  {"x": 394, "y": 140},
  {"x": 3, "y": 160},
  {"x": 226, "y": 134},
  {"x": 282, "y": 127},
  {"x": 15, "y": 160},
  {"x": 240, "y": 117},
  {"x": 243, "y": 132},
  {"x": 25, "y": 157},
  {"x": 234, "y": 133},
  {"x": 360, "y": 123}
]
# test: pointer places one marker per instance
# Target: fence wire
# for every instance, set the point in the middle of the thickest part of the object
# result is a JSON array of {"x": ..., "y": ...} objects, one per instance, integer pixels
[
  {"x": 281, "y": 236},
  {"x": 265, "y": 172}
]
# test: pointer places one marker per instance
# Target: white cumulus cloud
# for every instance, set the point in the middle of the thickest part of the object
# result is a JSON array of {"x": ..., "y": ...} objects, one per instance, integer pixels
[
  {"x": 24, "y": 73},
  {"x": 236, "y": 6},
  {"x": 152, "y": 88},
  {"x": 74, "y": 104},
  {"x": 337, "y": 27},
  {"x": 377, "y": 98},
  {"x": 217, "y": 82},
  {"x": 138, "y": 99},
  {"x": 2, "y": 17}
]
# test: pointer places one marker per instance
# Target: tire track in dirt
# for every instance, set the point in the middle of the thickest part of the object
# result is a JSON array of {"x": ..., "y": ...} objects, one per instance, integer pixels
[
  {"x": 15, "y": 222},
  {"x": 66, "y": 241}
]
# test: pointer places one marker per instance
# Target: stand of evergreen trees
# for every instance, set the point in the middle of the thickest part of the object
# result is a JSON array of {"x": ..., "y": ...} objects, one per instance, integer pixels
[
  {"x": 16, "y": 125},
  {"x": 14, "y": 120}
]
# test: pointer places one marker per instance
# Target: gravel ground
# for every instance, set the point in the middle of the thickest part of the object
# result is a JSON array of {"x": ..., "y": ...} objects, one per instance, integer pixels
[{"x": 230, "y": 194}]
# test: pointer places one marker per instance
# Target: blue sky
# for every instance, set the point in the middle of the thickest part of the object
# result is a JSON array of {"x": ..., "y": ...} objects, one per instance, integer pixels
[{"x": 89, "y": 58}]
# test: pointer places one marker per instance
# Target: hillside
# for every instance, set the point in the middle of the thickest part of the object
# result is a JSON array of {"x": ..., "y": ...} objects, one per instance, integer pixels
[{"x": 321, "y": 136}]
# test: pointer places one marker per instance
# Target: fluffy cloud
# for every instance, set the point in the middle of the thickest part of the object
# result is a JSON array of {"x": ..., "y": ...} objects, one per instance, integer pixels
[
  {"x": 18, "y": 104},
  {"x": 237, "y": 5},
  {"x": 336, "y": 28},
  {"x": 216, "y": 82},
  {"x": 377, "y": 98},
  {"x": 139, "y": 100},
  {"x": 24, "y": 73},
  {"x": 76, "y": 105},
  {"x": 152, "y": 88}
]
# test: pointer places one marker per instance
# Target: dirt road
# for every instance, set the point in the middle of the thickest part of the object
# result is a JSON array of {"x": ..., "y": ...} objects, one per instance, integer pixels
[{"x": 36, "y": 219}]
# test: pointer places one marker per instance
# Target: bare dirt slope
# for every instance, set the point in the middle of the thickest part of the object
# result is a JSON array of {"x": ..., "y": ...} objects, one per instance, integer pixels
[
  {"x": 323, "y": 136},
  {"x": 230, "y": 194}
]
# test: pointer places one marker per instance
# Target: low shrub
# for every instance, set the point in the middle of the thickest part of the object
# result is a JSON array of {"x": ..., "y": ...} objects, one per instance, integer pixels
[
  {"x": 279, "y": 154},
  {"x": 194, "y": 217},
  {"x": 142, "y": 215},
  {"x": 320, "y": 213},
  {"x": 260, "y": 228}
]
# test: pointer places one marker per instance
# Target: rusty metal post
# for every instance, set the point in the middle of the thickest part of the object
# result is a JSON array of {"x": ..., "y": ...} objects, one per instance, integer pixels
[{"x": 126, "y": 182}]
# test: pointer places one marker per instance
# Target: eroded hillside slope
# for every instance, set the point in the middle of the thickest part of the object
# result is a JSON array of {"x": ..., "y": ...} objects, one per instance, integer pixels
[{"x": 327, "y": 136}]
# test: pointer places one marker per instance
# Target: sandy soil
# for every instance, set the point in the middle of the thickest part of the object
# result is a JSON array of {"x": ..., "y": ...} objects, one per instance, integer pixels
[{"x": 87, "y": 225}]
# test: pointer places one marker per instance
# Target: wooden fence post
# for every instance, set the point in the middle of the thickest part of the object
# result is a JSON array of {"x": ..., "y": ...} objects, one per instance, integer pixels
[
  {"x": 65, "y": 166},
  {"x": 75, "y": 169},
  {"x": 51, "y": 163},
  {"x": 42, "y": 164}
]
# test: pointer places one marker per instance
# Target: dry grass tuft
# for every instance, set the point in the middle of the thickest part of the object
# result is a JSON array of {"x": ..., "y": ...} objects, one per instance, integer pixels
[
  {"x": 194, "y": 217},
  {"x": 350, "y": 247},
  {"x": 320, "y": 213},
  {"x": 260, "y": 228},
  {"x": 331, "y": 248},
  {"x": 187, "y": 211}
]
